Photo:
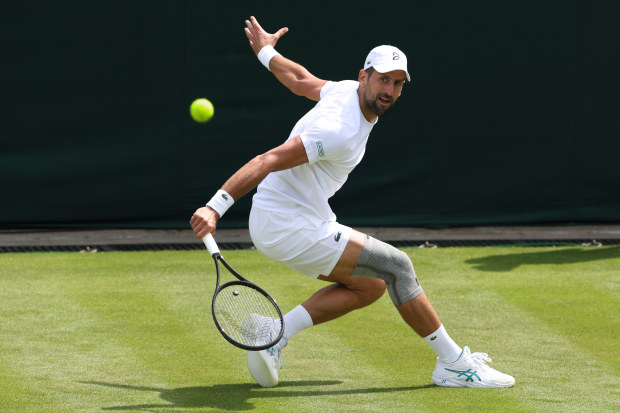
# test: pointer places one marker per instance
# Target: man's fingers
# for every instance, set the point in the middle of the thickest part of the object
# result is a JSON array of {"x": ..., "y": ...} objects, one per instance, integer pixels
[
  {"x": 248, "y": 27},
  {"x": 281, "y": 32},
  {"x": 198, "y": 225},
  {"x": 202, "y": 230},
  {"x": 201, "y": 234},
  {"x": 255, "y": 23},
  {"x": 249, "y": 34},
  {"x": 258, "y": 37},
  {"x": 204, "y": 221}
]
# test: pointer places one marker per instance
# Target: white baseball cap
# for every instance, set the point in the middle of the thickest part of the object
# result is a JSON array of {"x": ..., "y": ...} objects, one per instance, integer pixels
[{"x": 387, "y": 58}]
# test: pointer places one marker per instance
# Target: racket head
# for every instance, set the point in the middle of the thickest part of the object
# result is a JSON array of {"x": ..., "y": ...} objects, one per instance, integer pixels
[{"x": 245, "y": 315}]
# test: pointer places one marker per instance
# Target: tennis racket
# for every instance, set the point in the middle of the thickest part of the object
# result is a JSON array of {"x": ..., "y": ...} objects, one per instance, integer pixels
[{"x": 243, "y": 312}]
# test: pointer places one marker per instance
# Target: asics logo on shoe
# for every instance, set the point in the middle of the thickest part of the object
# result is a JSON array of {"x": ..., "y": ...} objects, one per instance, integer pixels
[
  {"x": 467, "y": 373},
  {"x": 271, "y": 350}
]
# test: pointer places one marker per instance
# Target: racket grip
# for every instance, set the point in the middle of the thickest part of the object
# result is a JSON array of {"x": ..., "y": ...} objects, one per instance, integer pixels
[{"x": 210, "y": 244}]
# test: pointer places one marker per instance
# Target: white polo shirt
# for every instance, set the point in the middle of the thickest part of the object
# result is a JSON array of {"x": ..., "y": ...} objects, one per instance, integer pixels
[{"x": 334, "y": 134}]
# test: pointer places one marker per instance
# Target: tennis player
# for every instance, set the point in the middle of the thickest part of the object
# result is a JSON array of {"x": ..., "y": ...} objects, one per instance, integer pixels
[{"x": 291, "y": 221}]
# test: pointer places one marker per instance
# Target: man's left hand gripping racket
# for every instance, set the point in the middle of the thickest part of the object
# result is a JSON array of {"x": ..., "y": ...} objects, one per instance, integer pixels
[{"x": 243, "y": 312}]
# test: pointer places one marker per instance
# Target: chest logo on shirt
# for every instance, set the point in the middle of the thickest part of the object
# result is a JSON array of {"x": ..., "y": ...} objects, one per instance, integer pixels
[
  {"x": 337, "y": 236},
  {"x": 319, "y": 146}
]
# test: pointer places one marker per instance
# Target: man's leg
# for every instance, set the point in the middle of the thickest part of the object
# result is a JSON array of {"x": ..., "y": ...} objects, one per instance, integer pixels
[
  {"x": 342, "y": 297},
  {"x": 455, "y": 367},
  {"x": 347, "y": 293},
  {"x": 350, "y": 293}
]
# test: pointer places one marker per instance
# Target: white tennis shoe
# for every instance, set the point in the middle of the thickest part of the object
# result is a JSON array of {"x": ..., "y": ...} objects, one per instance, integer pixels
[
  {"x": 264, "y": 364},
  {"x": 470, "y": 370},
  {"x": 258, "y": 330}
]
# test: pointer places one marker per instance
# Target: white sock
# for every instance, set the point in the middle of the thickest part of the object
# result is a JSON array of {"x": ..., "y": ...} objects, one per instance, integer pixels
[
  {"x": 443, "y": 345},
  {"x": 295, "y": 320}
]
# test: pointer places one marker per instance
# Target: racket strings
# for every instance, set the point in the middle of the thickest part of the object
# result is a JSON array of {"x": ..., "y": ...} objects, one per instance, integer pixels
[{"x": 246, "y": 315}]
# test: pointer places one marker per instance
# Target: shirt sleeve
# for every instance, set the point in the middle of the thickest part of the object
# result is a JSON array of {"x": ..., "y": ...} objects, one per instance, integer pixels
[
  {"x": 327, "y": 87},
  {"x": 327, "y": 135},
  {"x": 324, "y": 140}
]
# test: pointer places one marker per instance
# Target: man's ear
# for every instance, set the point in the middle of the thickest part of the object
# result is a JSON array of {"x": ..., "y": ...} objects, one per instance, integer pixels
[{"x": 362, "y": 77}]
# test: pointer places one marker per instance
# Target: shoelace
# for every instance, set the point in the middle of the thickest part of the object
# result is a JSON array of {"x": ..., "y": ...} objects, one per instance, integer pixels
[
  {"x": 480, "y": 359},
  {"x": 276, "y": 352},
  {"x": 278, "y": 347},
  {"x": 279, "y": 358}
]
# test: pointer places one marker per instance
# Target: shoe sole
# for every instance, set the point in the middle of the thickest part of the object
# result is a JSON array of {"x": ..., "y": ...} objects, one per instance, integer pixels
[
  {"x": 258, "y": 364},
  {"x": 470, "y": 384}
]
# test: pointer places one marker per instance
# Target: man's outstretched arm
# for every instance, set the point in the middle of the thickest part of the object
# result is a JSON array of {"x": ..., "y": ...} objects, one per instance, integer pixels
[
  {"x": 292, "y": 75},
  {"x": 290, "y": 154}
]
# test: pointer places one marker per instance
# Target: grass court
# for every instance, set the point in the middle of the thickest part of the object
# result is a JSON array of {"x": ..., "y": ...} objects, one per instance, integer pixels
[{"x": 132, "y": 331}]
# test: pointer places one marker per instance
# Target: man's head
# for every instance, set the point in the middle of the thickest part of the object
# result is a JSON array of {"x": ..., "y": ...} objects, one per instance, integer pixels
[
  {"x": 381, "y": 80},
  {"x": 386, "y": 59}
]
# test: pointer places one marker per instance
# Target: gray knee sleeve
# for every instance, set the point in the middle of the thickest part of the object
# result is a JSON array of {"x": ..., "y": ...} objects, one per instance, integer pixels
[{"x": 393, "y": 266}]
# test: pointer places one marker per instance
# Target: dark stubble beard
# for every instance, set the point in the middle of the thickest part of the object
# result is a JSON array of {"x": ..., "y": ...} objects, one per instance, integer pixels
[{"x": 374, "y": 107}]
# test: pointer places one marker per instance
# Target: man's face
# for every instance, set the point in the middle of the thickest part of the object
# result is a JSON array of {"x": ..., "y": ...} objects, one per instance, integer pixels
[{"x": 382, "y": 90}]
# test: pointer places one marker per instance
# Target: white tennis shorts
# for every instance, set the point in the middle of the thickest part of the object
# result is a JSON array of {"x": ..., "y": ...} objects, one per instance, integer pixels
[{"x": 294, "y": 240}]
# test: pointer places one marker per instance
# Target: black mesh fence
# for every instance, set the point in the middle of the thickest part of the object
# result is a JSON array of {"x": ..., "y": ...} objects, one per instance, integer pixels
[{"x": 248, "y": 245}]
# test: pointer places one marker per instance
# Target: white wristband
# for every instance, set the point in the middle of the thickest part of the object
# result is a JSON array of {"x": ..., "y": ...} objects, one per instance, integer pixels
[
  {"x": 266, "y": 54},
  {"x": 221, "y": 201}
]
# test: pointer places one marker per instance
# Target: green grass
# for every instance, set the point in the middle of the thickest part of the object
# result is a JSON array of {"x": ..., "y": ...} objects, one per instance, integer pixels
[{"x": 132, "y": 331}]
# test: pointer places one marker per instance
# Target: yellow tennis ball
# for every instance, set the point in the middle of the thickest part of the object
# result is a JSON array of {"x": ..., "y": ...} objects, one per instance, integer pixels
[{"x": 201, "y": 110}]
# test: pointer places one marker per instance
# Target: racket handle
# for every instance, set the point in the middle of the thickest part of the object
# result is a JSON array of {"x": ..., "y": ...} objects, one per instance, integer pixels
[{"x": 210, "y": 244}]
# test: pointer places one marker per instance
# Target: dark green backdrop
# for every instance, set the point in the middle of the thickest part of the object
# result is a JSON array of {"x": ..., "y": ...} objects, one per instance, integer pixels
[{"x": 512, "y": 116}]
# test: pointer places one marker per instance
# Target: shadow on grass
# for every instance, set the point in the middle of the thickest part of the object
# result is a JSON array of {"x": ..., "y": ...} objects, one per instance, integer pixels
[
  {"x": 509, "y": 262},
  {"x": 236, "y": 397}
]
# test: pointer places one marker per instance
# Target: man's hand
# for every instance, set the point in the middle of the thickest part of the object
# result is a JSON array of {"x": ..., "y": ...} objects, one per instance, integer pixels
[
  {"x": 259, "y": 38},
  {"x": 203, "y": 221}
]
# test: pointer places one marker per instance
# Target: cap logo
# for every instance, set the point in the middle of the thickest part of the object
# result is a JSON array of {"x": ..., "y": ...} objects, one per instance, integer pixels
[{"x": 395, "y": 56}]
